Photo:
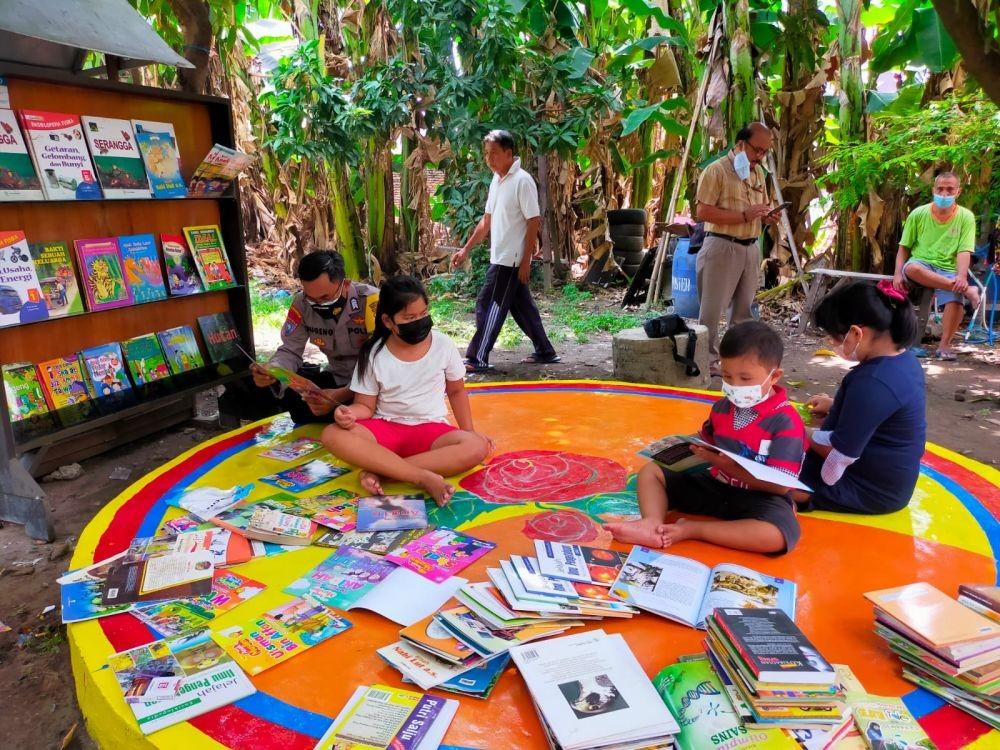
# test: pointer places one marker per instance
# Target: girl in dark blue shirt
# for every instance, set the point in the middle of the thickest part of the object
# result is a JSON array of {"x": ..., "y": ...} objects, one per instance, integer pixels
[{"x": 866, "y": 456}]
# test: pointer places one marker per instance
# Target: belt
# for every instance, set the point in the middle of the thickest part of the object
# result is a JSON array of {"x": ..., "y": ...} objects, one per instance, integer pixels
[{"x": 737, "y": 240}]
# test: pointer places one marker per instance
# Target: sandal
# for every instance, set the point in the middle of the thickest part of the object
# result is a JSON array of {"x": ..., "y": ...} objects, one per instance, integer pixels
[
  {"x": 477, "y": 368},
  {"x": 945, "y": 355},
  {"x": 534, "y": 359}
]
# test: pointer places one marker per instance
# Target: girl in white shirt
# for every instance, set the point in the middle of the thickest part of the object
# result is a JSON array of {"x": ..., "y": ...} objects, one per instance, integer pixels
[{"x": 397, "y": 427}]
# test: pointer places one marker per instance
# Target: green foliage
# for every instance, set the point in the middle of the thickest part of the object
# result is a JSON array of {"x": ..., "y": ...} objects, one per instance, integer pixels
[
  {"x": 914, "y": 35},
  {"x": 267, "y": 310},
  {"x": 574, "y": 310}
]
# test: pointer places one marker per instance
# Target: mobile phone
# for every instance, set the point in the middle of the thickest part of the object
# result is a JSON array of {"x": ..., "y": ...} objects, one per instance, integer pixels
[{"x": 783, "y": 207}]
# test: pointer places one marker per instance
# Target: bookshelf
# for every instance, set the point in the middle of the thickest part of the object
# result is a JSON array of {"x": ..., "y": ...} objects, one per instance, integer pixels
[{"x": 199, "y": 123}]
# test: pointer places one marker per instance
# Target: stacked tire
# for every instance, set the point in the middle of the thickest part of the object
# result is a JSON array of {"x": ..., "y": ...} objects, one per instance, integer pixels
[{"x": 627, "y": 227}]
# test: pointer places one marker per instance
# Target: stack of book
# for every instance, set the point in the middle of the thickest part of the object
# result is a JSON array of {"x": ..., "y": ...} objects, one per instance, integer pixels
[
  {"x": 590, "y": 692},
  {"x": 774, "y": 675},
  {"x": 947, "y": 648}
]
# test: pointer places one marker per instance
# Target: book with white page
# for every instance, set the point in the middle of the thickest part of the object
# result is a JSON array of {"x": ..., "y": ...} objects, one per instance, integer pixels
[
  {"x": 425, "y": 669},
  {"x": 520, "y": 604},
  {"x": 535, "y": 583},
  {"x": 406, "y": 597},
  {"x": 565, "y": 561},
  {"x": 687, "y": 591}
]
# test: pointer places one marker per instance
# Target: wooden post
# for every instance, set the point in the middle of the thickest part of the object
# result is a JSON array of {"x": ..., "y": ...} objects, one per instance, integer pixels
[
  {"x": 786, "y": 225},
  {"x": 546, "y": 222}
]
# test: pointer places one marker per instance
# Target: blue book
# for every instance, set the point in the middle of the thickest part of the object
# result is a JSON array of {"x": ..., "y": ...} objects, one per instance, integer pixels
[
  {"x": 81, "y": 600},
  {"x": 479, "y": 681},
  {"x": 159, "y": 155},
  {"x": 391, "y": 513},
  {"x": 143, "y": 273},
  {"x": 305, "y": 476},
  {"x": 105, "y": 368}
]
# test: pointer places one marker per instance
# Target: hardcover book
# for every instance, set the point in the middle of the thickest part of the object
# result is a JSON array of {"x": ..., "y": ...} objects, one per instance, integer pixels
[
  {"x": 145, "y": 359},
  {"x": 101, "y": 272},
  {"x": 182, "y": 277},
  {"x": 18, "y": 181},
  {"x": 181, "y": 349},
  {"x": 59, "y": 151},
  {"x": 21, "y": 298},
  {"x": 217, "y": 171},
  {"x": 142, "y": 267},
  {"x": 222, "y": 338},
  {"x": 65, "y": 389},
  {"x": 109, "y": 383},
  {"x": 57, "y": 277},
  {"x": 158, "y": 146},
  {"x": 210, "y": 256},
  {"x": 29, "y": 412},
  {"x": 116, "y": 157}
]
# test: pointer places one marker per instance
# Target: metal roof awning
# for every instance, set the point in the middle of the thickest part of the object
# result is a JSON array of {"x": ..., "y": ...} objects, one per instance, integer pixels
[{"x": 67, "y": 27}]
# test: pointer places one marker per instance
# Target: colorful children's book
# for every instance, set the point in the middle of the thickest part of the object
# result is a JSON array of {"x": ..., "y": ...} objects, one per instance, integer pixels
[
  {"x": 81, "y": 600},
  {"x": 339, "y": 514},
  {"x": 237, "y": 518},
  {"x": 170, "y": 576},
  {"x": 305, "y": 476},
  {"x": 887, "y": 722},
  {"x": 376, "y": 542},
  {"x": 210, "y": 256},
  {"x": 211, "y": 678},
  {"x": 342, "y": 578},
  {"x": 102, "y": 275},
  {"x": 109, "y": 383},
  {"x": 391, "y": 512},
  {"x": 180, "y": 349},
  {"x": 477, "y": 682},
  {"x": 145, "y": 359},
  {"x": 278, "y": 527},
  {"x": 431, "y": 636},
  {"x": 65, "y": 389},
  {"x": 279, "y": 634},
  {"x": 161, "y": 157},
  {"x": 26, "y": 404},
  {"x": 142, "y": 267},
  {"x": 440, "y": 553},
  {"x": 117, "y": 158},
  {"x": 289, "y": 451},
  {"x": 57, "y": 278},
  {"x": 18, "y": 181},
  {"x": 57, "y": 147},
  {"x": 182, "y": 277},
  {"x": 21, "y": 298},
  {"x": 222, "y": 338},
  {"x": 217, "y": 171}
]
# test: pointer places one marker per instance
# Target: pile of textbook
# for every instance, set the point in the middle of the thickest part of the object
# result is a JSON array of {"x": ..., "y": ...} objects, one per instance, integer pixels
[
  {"x": 590, "y": 692},
  {"x": 947, "y": 648}
]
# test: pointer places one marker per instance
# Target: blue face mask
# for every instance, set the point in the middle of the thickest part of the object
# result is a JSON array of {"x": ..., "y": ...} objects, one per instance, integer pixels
[
  {"x": 742, "y": 166},
  {"x": 944, "y": 201}
]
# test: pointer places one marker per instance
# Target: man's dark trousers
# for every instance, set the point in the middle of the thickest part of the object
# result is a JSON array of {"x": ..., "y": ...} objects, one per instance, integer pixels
[
  {"x": 297, "y": 408},
  {"x": 503, "y": 292}
]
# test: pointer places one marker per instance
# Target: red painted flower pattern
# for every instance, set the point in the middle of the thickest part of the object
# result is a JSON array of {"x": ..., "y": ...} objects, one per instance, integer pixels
[
  {"x": 561, "y": 526},
  {"x": 544, "y": 477}
]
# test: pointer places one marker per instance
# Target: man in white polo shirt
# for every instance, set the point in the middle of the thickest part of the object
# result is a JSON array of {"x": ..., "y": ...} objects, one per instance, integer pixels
[{"x": 511, "y": 219}]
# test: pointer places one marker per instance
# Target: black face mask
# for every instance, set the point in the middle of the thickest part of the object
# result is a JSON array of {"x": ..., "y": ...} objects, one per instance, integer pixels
[
  {"x": 416, "y": 331},
  {"x": 328, "y": 310}
]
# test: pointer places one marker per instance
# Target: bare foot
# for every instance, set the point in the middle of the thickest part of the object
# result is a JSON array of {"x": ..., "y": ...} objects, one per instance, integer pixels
[
  {"x": 437, "y": 487},
  {"x": 370, "y": 482},
  {"x": 671, "y": 533},
  {"x": 637, "y": 532}
]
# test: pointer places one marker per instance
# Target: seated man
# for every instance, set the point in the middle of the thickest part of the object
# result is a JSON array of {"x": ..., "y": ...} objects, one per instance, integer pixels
[
  {"x": 935, "y": 251},
  {"x": 335, "y": 314}
]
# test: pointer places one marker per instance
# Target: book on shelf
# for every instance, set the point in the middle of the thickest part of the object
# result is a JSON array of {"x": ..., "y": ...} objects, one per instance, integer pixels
[
  {"x": 101, "y": 273},
  {"x": 109, "y": 383},
  {"x": 268, "y": 639},
  {"x": 141, "y": 262},
  {"x": 440, "y": 553},
  {"x": 26, "y": 404},
  {"x": 305, "y": 476},
  {"x": 687, "y": 591},
  {"x": 210, "y": 678},
  {"x": 159, "y": 576},
  {"x": 210, "y": 257},
  {"x": 221, "y": 336},
  {"x": 217, "y": 171},
  {"x": 157, "y": 143},
  {"x": 116, "y": 157},
  {"x": 182, "y": 276},
  {"x": 57, "y": 277},
  {"x": 21, "y": 297},
  {"x": 145, "y": 359},
  {"x": 180, "y": 348},
  {"x": 18, "y": 180},
  {"x": 391, "y": 512},
  {"x": 66, "y": 389},
  {"x": 58, "y": 149}
]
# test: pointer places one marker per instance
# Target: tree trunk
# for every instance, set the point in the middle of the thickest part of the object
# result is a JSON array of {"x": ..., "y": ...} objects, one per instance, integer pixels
[
  {"x": 196, "y": 24},
  {"x": 979, "y": 49},
  {"x": 850, "y": 248},
  {"x": 345, "y": 219}
]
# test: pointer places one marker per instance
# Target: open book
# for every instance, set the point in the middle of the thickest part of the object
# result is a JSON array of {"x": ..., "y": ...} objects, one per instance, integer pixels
[{"x": 687, "y": 591}]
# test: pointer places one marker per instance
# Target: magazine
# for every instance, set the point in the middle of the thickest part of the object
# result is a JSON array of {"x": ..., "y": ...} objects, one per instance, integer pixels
[
  {"x": 57, "y": 147},
  {"x": 18, "y": 181},
  {"x": 169, "y": 576},
  {"x": 57, "y": 277},
  {"x": 101, "y": 273},
  {"x": 279, "y": 634},
  {"x": 376, "y": 542},
  {"x": 686, "y": 590},
  {"x": 141, "y": 261},
  {"x": 391, "y": 512},
  {"x": 305, "y": 476},
  {"x": 21, "y": 297},
  {"x": 292, "y": 450},
  {"x": 210, "y": 257},
  {"x": 217, "y": 171},
  {"x": 117, "y": 158},
  {"x": 440, "y": 553},
  {"x": 182, "y": 276}
]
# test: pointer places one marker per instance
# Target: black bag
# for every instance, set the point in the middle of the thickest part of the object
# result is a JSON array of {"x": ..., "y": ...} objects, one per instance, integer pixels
[
  {"x": 672, "y": 326},
  {"x": 697, "y": 238}
]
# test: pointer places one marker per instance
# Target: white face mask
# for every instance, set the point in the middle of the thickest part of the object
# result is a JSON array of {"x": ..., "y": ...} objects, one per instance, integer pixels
[
  {"x": 747, "y": 396},
  {"x": 841, "y": 349},
  {"x": 741, "y": 163}
]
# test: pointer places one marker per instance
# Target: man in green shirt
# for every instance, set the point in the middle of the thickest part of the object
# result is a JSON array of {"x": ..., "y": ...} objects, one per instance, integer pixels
[{"x": 935, "y": 251}]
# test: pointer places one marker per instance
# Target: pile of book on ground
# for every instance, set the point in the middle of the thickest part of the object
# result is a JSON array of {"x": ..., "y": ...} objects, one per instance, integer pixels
[{"x": 949, "y": 647}]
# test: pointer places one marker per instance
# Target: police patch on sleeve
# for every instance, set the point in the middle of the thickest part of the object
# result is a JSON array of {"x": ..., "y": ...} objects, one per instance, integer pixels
[
  {"x": 371, "y": 306},
  {"x": 292, "y": 321}
]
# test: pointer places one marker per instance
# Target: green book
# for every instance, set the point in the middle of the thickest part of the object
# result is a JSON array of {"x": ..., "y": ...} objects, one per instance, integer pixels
[
  {"x": 145, "y": 359},
  {"x": 29, "y": 411},
  {"x": 57, "y": 277}
]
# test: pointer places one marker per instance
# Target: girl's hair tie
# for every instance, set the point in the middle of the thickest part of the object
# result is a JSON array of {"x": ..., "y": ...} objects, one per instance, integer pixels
[{"x": 891, "y": 293}]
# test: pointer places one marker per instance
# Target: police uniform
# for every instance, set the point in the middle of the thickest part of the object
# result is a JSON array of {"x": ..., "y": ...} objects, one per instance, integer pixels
[{"x": 339, "y": 337}]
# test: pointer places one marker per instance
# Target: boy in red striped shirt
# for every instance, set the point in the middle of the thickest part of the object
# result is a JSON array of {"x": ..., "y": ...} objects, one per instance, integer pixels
[{"x": 754, "y": 420}]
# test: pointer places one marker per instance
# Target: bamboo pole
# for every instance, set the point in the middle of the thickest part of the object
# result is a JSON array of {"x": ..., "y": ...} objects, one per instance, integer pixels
[{"x": 786, "y": 225}]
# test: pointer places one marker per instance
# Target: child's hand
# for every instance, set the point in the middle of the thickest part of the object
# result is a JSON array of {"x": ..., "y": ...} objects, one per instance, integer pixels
[
  {"x": 710, "y": 456},
  {"x": 820, "y": 404},
  {"x": 344, "y": 417}
]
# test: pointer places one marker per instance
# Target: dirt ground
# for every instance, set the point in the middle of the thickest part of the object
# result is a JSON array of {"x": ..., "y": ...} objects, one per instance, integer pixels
[{"x": 36, "y": 684}]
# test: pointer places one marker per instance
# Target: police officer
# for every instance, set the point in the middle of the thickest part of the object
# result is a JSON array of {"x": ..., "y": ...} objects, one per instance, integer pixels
[{"x": 337, "y": 316}]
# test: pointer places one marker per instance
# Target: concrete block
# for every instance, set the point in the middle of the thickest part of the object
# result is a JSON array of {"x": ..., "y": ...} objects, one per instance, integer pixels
[{"x": 640, "y": 359}]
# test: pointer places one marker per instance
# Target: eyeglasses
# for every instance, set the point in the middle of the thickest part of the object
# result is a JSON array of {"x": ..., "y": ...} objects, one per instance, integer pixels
[{"x": 761, "y": 152}]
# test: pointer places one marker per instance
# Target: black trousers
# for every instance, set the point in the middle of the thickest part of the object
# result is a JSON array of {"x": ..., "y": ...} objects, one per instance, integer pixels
[
  {"x": 297, "y": 408},
  {"x": 503, "y": 292}
]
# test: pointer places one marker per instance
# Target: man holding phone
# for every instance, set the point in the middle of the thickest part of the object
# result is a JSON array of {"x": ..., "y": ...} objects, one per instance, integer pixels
[{"x": 734, "y": 203}]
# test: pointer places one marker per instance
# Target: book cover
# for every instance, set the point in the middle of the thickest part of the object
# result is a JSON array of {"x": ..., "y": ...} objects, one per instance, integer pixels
[
  {"x": 57, "y": 277},
  {"x": 101, "y": 272},
  {"x": 237, "y": 517},
  {"x": 105, "y": 367},
  {"x": 182, "y": 277},
  {"x": 81, "y": 600},
  {"x": 180, "y": 349},
  {"x": 141, "y": 262},
  {"x": 161, "y": 159},
  {"x": 59, "y": 151},
  {"x": 26, "y": 404},
  {"x": 887, "y": 723},
  {"x": 385, "y": 717},
  {"x": 18, "y": 181},
  {"x": 342, "y": 578},
  {"x": 290, "y": 450},
  {"x": 116, "y": 157},
  {"x": 167, "y": 576},
  {"x": 430, "y": 635},
  {"x": 65, "y": 389},
  {"x": 286, "y": 528},
  {"x": 217, "y": 171},
  {"x": 145, "y": 359},
  {"x": 210, "y": 679},
  {"x": 479, "y": 681},
  {"x": 279, "y": 634},
  {"x": 376, "y": 542},
  {"x": 934, "y": 615},
  {"x": 440, "y": 553},
  {"x": 559, "y": 560},
  {"x": 222, "y": 338},
  {"x": 210, "y": 256},
  {"x": 391, "y": 512},
  {"x": 21, "y": 298},
  {"x": 305, "y": 476}
]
